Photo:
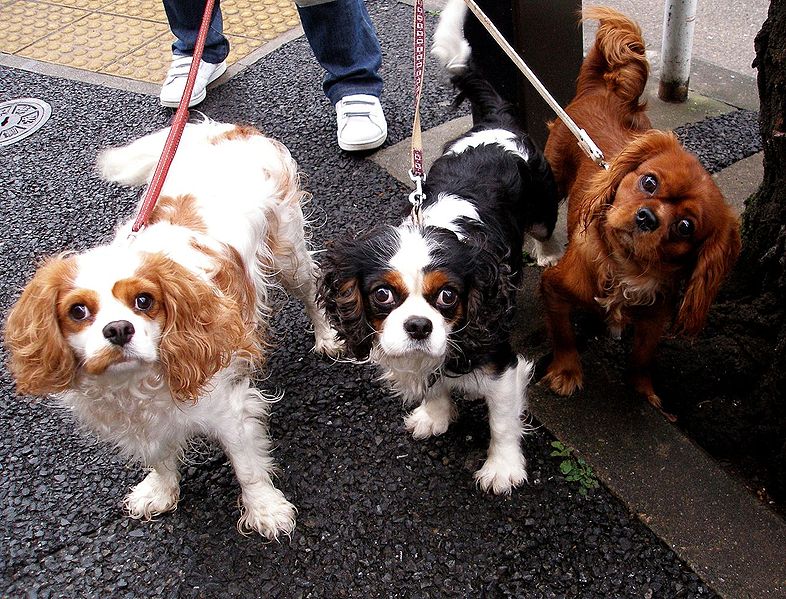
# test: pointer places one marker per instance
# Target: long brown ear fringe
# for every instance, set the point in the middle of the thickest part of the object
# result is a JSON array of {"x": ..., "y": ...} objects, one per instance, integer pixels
[
  {"x": 235, "y": 283},
  {"x": 41, "y": 361},
  {"x": 204, "y": 328},
  {"x": 603, "y": 186},
  {"x": 343, "y": 303},
  {"x": 339, "y": 293},
  {"x": 716, "y": 258}
]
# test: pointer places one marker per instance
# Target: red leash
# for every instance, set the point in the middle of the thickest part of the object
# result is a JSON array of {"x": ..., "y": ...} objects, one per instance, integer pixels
[{"x": 178, "y": 124}]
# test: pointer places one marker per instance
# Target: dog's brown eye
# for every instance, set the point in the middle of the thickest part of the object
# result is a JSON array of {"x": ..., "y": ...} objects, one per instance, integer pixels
[
  {"x": 78, "y": 312},
  {"x": 447, "y": 297},
  {"x": 383, "y": 296},
  {"x": 648, "y": 183},
  {"x": 143, "y": 302},
  {"x": 685, "y": 227}
]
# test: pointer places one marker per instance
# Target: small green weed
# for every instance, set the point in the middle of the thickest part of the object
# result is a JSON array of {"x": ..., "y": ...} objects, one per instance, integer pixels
[
  {"x": 529, "y": 260},
  {"x": 573, "y": 468}
]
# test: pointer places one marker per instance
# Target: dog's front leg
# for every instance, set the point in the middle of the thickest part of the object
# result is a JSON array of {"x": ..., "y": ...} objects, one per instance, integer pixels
[
  {"x": 646, "y": 335},
  {"x": 158, "y": 493},
  {"x": 264, "y": 509},
  {"x": 433, "y": 416},
  {"x": 506, "y": 397},
  {"x": 564, "y": 374},
  {"x": 549, "y": 251}
]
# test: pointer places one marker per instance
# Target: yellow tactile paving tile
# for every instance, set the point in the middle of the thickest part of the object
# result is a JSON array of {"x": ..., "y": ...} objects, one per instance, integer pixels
[
  {"x": 240, "y": 47},
  {"x": 127, "y": 38},
  {"x": 90, "y": 5},
  {"x": 23, "y": 23},
  {"x": 150, "y": 10},
  {"x": 151, "y": 61},
  {"x": 147, "y": 63},
  {"x": 94, "y": 42},
  {"x": 262, "y": 20}
]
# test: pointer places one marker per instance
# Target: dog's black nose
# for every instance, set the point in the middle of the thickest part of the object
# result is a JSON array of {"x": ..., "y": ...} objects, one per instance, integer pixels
[
  {"x": 418, "y": 327},
  {"x": 646, "y": 219},
  {"x": 119, "y": 332}
]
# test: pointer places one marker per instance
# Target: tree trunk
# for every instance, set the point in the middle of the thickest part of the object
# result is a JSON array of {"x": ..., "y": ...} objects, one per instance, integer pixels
[
  {"x": 761, "y": 271},
  {"x": 764, "y": 225},
  {"x": 729, "y": 385}
]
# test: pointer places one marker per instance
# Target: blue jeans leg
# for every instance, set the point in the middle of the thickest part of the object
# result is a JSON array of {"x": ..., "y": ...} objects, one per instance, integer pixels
[
  {"x": 345, "y": 43},
  {"x": 185, "y": 17}
]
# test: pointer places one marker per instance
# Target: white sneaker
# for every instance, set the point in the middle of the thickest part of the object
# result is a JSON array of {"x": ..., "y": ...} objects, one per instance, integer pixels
[
  {"x": 177, "y": 75},
  {"x": 361, "y": 123}
]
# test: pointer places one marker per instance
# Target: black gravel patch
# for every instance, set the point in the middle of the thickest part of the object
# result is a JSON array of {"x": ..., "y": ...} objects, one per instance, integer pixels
[
  {"x": 723, "y": 140},
  {"x": 380, "y": 515}
]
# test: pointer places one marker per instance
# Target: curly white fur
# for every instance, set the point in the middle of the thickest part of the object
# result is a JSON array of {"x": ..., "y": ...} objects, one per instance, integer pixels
[
  {"x": 234, "y": 202},
  {"x": 449, "y": 46}
]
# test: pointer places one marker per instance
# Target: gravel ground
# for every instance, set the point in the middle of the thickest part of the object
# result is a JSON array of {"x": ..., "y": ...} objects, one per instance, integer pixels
[
  {"x": 721, "y": 141},
  {"x": 379, "y": 514}
]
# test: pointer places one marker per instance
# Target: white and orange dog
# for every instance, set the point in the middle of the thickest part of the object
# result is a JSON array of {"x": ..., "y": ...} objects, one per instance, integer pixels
[{"x": 151, "y": 339}]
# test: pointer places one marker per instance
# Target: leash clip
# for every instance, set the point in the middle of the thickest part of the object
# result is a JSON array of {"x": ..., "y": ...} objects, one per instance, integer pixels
[
  {"x": 585, "y": 142},
  {"x": 416, "y": 197},
  {"x": 592, "y": 151}
]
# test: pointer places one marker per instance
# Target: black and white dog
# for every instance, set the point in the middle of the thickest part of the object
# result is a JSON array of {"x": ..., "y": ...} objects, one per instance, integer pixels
[{"x": 431, "y": 302}]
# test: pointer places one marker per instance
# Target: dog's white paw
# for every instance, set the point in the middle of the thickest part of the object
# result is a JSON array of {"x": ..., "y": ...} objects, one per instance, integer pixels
[
  {"x": 548, "y": 259},
  {"x": 548, "y": 253},
  {"x": 430, "y": 419},
  {"x": 327, "y": 343},
  {"x": 155, "y": 495},
  {"x": 267, "y": 512},
  {"x": 501, "y": 473}
]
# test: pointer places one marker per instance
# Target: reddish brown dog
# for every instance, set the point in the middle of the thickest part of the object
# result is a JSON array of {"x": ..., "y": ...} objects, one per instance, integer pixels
[{"x": 651, "y": 238}]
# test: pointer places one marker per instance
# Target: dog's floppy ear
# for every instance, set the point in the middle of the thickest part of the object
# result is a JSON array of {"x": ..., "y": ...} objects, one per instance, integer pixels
[
  {"x": 491, "y": 303},
  {"x": 717, "y": 255},
  {"x": 203, "y": 330},
  {"x": 41, "y": 360},
  {"x": 603, "y": 186},
  {"x": 341, "y": 296}
]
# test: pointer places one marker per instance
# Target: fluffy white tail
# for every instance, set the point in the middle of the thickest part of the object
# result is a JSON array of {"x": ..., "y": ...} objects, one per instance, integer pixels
[
  {"x": 450, "y": 47},
  {"x": 134, "y": 164}
]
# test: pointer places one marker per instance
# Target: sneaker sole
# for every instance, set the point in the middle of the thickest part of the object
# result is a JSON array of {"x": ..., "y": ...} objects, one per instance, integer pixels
[
  {"x": 199, "y": 97},
  {"x": 369, "y": 145}
]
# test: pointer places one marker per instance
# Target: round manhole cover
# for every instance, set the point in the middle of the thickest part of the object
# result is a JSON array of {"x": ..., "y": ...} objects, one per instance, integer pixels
[{"x": 21, "y": 118}]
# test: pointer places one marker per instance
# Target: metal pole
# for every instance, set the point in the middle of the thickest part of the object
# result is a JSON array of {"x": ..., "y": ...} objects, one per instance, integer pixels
[{"x": 679, "y": 19}]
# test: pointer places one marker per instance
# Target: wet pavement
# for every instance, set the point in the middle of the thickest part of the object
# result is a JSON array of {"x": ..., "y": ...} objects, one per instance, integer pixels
[{"x": 380, "y": 515}]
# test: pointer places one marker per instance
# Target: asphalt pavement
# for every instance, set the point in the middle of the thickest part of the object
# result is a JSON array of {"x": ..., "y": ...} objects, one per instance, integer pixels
[{"x": 380, "y": 515}]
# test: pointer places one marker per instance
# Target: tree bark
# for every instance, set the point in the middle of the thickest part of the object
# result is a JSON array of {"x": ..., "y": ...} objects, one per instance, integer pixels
[
  {"x": 764, "y": 225},
  {"x": 761, "y": 271}
]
